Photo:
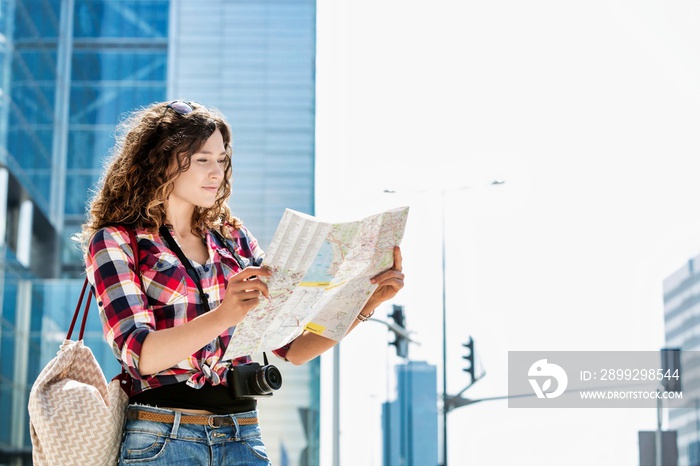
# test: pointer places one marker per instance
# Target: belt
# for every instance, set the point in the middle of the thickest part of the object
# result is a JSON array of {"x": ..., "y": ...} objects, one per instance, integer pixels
[{"x": 204, "y": 420}]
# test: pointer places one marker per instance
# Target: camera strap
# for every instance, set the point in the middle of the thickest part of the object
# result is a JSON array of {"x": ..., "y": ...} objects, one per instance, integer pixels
[{"x": 172, "y": 244}]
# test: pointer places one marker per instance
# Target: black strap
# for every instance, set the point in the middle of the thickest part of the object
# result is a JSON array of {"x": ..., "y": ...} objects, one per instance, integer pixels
[{"x": 172, "y": 244}]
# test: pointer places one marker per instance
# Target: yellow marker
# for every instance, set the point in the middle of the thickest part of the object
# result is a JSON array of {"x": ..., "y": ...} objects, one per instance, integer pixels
[
  {"x": 315, "y": 284},
  {"x": 315, "y": 328},
  {"x": 331, "y": 286}
]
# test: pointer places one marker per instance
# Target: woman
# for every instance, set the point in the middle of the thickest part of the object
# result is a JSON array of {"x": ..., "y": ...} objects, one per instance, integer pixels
[{"x": 169, "y": 311}]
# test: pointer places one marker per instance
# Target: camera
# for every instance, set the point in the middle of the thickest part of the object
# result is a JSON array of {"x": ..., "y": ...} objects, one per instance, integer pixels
[{"x": 247, "y": 381}]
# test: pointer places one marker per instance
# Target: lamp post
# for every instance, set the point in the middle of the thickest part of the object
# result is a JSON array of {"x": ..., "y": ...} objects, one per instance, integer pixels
[
  {"x": 444, "y": 329},
  {"x": 445, "y": 407}
]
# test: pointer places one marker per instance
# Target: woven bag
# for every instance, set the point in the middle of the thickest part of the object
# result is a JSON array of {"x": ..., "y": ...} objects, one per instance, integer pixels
[{"x": 75, "y": 416}]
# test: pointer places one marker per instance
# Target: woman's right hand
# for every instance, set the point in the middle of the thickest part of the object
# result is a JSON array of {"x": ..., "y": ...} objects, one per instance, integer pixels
[
  {"x": 243, "y": 293},
  {"x": 165, "y": 348}
]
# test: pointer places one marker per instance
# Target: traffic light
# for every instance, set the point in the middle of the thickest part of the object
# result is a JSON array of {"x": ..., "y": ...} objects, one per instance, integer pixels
[
  {"x": 400, "y": 341},
  {"x": 470, "y": 359}
]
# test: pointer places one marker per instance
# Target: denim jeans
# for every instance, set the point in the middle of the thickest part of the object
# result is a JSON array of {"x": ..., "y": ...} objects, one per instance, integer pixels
[{"x": 172, "y": 444}]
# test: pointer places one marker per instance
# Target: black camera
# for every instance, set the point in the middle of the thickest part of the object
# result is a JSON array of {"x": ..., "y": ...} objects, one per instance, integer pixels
[{"x": 252, "y": 380}]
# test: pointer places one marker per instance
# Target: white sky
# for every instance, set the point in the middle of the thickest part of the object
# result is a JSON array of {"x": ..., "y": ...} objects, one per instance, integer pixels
[{"x": 590, "y": 112}]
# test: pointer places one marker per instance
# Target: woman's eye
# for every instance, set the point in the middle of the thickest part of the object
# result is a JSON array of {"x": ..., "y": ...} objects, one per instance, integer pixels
[{"x": 222, "y": 161}]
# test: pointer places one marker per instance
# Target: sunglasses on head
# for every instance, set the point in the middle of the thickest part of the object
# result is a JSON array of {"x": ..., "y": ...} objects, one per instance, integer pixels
[{"x": 181, "y": 107}]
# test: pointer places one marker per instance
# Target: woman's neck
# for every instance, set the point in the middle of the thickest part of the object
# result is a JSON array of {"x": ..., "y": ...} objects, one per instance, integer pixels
[{"x": 179, "y": 215}]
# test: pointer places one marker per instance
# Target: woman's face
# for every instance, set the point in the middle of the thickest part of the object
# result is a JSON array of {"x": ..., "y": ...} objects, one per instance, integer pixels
[{"x": 199, "y": 184}]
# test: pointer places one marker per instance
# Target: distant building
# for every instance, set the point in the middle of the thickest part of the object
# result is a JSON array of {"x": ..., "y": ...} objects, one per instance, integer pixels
[
  {"x": 68, "y": 70},
  {"x": 647, "y": 448},
  {"x": 681, "y": 295},
  {"x": 410, "y": 423}
]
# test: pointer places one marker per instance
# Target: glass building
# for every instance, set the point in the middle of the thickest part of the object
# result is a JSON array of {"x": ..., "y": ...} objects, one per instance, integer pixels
[
  {"x": 69, "y": 69},
  {"x": 681, "y": 295},
  {"x": 409, "y": 423}
]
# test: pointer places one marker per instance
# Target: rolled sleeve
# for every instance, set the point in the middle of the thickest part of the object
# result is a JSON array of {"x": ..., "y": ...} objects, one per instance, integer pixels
[
  {"x": 113, "y": 273},
  {"x": 282, "y": 352}
]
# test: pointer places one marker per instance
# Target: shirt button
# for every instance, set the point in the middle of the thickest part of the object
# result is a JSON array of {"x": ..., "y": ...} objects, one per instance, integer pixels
[{"x": 206, "y": 268}]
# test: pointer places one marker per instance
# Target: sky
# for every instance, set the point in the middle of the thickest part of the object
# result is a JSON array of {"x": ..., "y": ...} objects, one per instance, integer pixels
[{"x": 589, "y": 112}]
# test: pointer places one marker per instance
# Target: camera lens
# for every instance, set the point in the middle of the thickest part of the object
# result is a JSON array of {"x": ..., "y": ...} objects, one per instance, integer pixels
[
  {"x": 274, "y": 377},
  {"x": 267, "y": 379}
]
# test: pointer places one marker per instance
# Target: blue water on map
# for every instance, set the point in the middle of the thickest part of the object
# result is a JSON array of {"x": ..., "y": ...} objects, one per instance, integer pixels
[{"x": 318, "y": 272}]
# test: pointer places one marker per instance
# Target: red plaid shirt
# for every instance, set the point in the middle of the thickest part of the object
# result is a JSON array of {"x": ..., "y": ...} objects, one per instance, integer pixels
[{"x": 160, "y": 294}]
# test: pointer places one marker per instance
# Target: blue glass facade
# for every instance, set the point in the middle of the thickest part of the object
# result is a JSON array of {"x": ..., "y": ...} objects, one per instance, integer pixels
[
  {"x": 119, "y": 62},
  {"x": 255, "y": 61},
  {"x": 32, "y": 95},
  {"x": 681, "y": 292},
  {"x": 68, "y": 70},
  {"x": 409, "y": 423}
]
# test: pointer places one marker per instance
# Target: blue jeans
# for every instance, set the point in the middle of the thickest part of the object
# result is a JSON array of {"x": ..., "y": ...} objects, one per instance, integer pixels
[{"x": 177, "y": 443}]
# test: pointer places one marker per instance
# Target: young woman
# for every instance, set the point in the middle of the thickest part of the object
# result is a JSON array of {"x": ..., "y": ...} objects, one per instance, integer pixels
[{"x": 169, "y": 308}]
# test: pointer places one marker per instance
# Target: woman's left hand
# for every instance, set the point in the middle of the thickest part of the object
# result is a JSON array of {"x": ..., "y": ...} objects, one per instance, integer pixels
[
  {"x": 308, "y": 345},
  {"x": 389, "y": 282}
]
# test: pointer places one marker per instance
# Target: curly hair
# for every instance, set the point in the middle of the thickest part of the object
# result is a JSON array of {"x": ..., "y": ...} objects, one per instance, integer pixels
[{"x": 138, "y": 176}]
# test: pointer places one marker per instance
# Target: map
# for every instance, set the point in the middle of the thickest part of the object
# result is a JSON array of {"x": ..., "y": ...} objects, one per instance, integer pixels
[{"x": 321, "y": 278}]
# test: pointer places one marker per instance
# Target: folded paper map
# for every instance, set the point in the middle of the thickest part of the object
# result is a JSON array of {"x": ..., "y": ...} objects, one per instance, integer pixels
[{"x": 321, "y": 278}]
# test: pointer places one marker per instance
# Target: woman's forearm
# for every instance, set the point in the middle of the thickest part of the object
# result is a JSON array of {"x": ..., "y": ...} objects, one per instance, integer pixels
[
  {"x": 308, "y": 345},
  {"x": 165, "y": 348}
]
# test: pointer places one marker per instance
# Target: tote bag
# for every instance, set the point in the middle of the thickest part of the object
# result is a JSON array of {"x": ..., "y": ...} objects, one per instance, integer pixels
[{"x": 75, "y": 416}]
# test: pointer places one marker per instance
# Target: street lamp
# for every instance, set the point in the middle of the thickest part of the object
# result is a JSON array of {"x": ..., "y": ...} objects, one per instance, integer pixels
[{"x": 445, "y": 406}]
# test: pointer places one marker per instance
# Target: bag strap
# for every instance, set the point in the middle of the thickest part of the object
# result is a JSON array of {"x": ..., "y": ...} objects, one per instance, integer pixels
[
  {"x": 135, "y": 248},
  {"x": 77, "y": 312}
]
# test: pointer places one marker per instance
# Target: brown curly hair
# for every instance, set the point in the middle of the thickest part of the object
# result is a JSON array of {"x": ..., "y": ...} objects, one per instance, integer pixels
[{"x": 138, "y": 177}]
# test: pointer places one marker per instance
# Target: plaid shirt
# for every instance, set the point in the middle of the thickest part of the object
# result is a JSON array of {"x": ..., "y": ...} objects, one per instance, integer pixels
[{"x": 160, "y": 294}]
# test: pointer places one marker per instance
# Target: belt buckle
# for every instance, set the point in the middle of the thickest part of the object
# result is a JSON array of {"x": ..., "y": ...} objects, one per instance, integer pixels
[
  {"x": 215, "y": 421},
  {"x": 210, "y": 422}
]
